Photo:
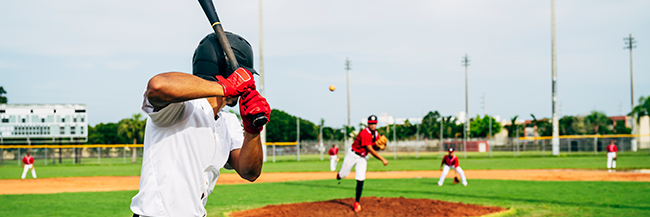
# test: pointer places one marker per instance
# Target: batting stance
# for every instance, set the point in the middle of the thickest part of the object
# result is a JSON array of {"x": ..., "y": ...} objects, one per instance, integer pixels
[
  {"x": 368, "y": 141},
  {"x": 188, "y": 138},
  {"x": 28, "y": 164},
  {"x": 611, "y": 156},
  {"x": 448, "y": 162},
  {"x": 334, "y": 157}
]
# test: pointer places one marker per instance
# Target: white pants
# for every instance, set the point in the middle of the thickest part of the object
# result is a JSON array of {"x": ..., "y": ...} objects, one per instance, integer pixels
[
  {"x": 26, "y": 168},
  {"x": 360, "y": 165},
  {"x": 333, "y": 162},
  {"x": 445, "y": 170},
  {"x": 611, "y": 163}
]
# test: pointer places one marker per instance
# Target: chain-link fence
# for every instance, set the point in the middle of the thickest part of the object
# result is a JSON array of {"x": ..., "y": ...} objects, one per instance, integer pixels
[{"x": 71, "y": 154}]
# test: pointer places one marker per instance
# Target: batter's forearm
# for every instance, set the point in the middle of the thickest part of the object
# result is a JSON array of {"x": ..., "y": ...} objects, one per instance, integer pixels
[
  {"x": 251, "y": 157},
  {"x": 171, "y": 87}
]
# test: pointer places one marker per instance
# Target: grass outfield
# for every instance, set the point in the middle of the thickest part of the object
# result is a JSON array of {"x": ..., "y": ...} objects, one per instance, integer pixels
[
  {"x": 529, "y": 198},
  {"x": 309, "y": 163}
]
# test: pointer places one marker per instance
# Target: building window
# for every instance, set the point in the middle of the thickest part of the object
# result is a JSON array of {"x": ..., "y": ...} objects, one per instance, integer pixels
[
  {"x": 81, "y": 130},
  {"x": 42, "y": 120},
  {"x": 62, "y": 129},
  {"x": 74, "y": 120},
  {"x": 5, "y": 120},
  {"x": 24, "y": 120},
  {"x": 62, "y": 119},
  {"x": 82, "y": 119}
]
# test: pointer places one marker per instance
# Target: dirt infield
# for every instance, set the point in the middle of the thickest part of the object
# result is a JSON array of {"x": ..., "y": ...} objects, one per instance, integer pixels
[
  {"x": 118, "y": 183},
  {"x": 371, "y": 206}
]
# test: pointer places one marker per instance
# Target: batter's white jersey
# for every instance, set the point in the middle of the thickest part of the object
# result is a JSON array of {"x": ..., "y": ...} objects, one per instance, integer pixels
[{"x": 182, "y": 154}]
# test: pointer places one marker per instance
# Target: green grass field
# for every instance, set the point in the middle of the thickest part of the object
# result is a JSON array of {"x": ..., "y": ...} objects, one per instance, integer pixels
[
  {"x": 309, "y": 163},
  {"x": 529, "y": 198}
]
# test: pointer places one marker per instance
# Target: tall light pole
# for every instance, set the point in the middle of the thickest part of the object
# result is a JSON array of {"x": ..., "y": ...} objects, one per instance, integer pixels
[
  {"x": 466, "y": 131},
  {"x": 556, "y": 128},
  {"x": 261, "y": 87},
  {"x": 347, "y": 68},
  {"x": 629, "y": 44}
]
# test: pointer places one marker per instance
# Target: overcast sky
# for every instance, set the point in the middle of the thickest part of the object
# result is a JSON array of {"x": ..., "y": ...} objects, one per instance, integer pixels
[{"x": 406, "y": 55}]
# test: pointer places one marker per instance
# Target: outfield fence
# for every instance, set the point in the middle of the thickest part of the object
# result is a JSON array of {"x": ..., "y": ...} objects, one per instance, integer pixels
[{"x": 71, "y": 154}]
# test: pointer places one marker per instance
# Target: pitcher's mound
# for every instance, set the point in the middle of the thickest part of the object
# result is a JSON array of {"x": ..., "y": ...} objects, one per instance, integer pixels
[{"x": 372, "y": 206}]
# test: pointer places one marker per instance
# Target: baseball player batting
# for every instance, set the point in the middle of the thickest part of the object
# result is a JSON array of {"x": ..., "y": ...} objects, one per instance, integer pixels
[
  {"x": 188, "y": 137},
  {"x": 366, "y": 142},
  {"x": 448, "y": 162},
  {"x": 334, "y": 157},
  {"x": 28, "y": 164},
  {"x": 611, "y": 156}
]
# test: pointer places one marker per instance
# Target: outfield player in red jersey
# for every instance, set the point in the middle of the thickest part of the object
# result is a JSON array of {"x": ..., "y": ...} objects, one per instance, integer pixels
[
  {"x": 358, "y": 155},
  {"x": 611, "y": 156},
  {"x": 334, "y": 157},
  {"x": 28, "y": 163},
  {"x": 448, "y": 162}
]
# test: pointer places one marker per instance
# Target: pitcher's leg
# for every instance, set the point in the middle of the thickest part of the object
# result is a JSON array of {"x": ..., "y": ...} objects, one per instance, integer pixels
[
  {"x": 463, "y": 179},
  {"x": 445, "y": 170}
]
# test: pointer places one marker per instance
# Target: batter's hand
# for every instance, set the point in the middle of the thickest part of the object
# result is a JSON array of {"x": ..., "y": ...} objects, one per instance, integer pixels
[
  {"x": 237, "y": 83},
  {"x": 251, "y": 104}
]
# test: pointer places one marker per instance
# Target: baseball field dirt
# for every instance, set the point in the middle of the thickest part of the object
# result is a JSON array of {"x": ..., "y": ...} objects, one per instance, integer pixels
[
  {"x": 118, "y": 183},
  {"x": 371, "y": 206}
]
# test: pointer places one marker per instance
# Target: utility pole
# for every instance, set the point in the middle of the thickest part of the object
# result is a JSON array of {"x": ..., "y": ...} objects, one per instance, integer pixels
[
  {"x": 297, "y": 139},
  {"x": 629, "y": 44},
  {"x": 466, "y": 131},
  {"x": 556, "y": 127},
  {"x": 347, "y": 68},
  {"x": 261, "y": 87}
]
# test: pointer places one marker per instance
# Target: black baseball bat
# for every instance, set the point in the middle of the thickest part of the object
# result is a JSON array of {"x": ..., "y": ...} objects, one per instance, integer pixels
[{"x": 208, "y": 8}]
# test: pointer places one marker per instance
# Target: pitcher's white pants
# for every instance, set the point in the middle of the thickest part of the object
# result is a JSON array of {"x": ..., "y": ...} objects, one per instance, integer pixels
[
  {"x": 445, "y": 170},
  {"x": 611, "y": 163},
  {"x": 360, "y": 166},
  {"x": 333, "y": 162},
  {"x": 27, "y": 167}
]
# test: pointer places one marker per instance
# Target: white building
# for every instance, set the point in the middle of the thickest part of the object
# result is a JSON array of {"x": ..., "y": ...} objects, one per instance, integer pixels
[{"x": 43, "y": 123}]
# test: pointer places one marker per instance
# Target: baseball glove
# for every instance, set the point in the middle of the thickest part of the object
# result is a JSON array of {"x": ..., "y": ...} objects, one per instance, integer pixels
[
  {"x": 456, "y": 181},
  {"x": 380, "y": 143}
]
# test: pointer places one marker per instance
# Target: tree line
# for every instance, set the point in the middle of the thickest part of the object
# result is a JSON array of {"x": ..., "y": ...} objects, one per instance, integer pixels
[{"x": 283, "y": 128}]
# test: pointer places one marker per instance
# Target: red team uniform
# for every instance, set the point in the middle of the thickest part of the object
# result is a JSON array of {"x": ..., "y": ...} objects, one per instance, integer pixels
[
  {"x": 28, "y": 162},
  {"x": 451, "y": 162},
  {"x": 365, "y": 138},
  {"x": 334, "y": 158},
  {"x": 611, "y": 156}
]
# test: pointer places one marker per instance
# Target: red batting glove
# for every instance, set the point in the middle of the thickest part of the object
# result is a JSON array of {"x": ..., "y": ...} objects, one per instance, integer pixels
[
  {"x": 250, "y": 104},
  {"x": 237, "y": 82}
]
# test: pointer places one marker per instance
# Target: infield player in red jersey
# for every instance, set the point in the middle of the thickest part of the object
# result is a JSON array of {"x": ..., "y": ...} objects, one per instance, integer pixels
[
  {"x": 611, "y": 156},
  {"x": 334, "y": 157},
  {"x": 448, "y": 162},
  {"x": 28, "y": 163},
  {"x": 357, "y": 156}
]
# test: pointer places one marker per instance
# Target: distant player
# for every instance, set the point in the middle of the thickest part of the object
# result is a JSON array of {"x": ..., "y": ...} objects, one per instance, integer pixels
[
  {"x": 28, "y": 163},
  {"x": 611, "y": 156},
  {"x": 334, "y": 157},
  {"x": 357, "y": 156},
  {"x": 448, "y": 162}
]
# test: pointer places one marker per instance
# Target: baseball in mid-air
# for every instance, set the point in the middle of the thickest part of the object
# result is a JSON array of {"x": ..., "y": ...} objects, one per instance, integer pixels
[{"x": 332, "y": 87}]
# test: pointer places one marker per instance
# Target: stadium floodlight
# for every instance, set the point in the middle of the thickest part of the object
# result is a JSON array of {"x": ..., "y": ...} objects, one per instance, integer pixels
[
  {"x": 556, "y": 128},
  {"x": 629, "y": 44}
]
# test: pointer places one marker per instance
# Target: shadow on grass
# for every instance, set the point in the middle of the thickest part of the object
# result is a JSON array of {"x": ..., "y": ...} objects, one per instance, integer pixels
[{"x": 456, "y": 194}]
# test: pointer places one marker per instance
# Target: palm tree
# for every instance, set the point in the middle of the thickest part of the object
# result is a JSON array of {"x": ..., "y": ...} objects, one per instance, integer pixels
[
  {"x": 642, "y": 109},
  {"x": 132, "y": 128},
  {"x": 3, "y": 99},
  {"x": 598, "y": 122}
]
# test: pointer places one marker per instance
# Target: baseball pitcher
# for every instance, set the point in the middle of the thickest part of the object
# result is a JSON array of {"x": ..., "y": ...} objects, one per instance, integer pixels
[{"x": 368, "y": 141}]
